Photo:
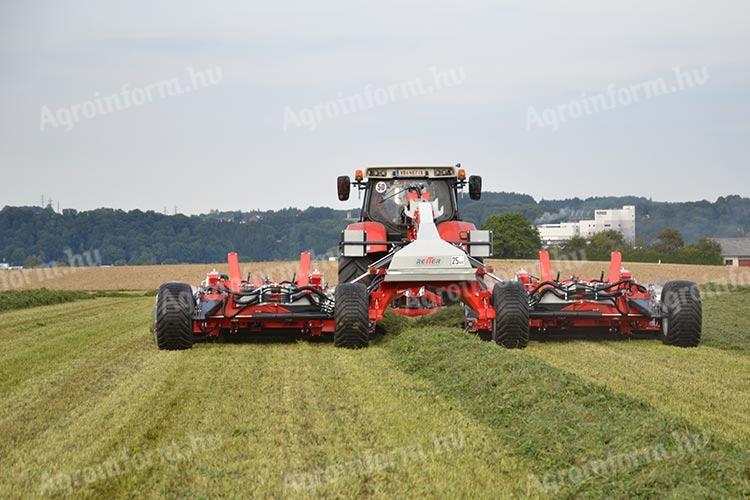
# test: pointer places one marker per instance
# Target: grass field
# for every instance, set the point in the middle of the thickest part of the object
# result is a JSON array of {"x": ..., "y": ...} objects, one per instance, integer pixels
[{"x": 92, "y": 408}]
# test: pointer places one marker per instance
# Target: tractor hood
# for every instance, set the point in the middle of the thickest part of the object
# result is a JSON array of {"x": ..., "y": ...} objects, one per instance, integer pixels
[{"x": 429, "y": 257}]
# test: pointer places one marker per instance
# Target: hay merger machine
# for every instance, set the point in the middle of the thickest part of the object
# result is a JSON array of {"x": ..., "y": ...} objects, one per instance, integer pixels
[{"x": 411, "y": 252}]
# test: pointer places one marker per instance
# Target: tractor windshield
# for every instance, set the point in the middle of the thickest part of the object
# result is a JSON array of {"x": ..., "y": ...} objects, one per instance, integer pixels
[{"x": 388, "y": 198}]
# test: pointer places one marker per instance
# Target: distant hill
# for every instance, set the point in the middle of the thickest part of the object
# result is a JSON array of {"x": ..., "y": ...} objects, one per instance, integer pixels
[{"x": 33, "y": 235}]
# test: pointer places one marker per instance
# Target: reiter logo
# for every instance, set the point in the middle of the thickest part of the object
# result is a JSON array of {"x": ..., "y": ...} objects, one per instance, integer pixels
[{"x": 428, "y": 261}]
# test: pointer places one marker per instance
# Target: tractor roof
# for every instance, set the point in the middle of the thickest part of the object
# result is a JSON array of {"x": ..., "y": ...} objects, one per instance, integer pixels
[{"x": 395, "y": 171}]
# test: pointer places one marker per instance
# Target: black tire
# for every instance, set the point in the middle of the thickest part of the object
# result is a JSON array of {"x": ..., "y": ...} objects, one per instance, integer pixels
[
  {"x": 511, "y": 304},
  {"x": 353, "y": 267},
  {"x": 352, "y": 316},
  {"x": 682, "y": 314},
  {"x": 174, "y": 316}
]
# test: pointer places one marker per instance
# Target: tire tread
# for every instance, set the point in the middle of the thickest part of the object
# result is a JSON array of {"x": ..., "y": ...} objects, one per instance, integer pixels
[
  {"x": 174, "y": 316},
  {"x": 511, "y": 329},
  {"x": 352, "y": 316}
]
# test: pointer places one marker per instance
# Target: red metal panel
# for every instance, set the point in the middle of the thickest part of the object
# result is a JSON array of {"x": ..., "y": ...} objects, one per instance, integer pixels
[
  {"x": 615, "y": 265},
  {"x": 545, "y": 267},
  {"x": 744, "y": 262},
  {"x": 303, "y": 274},
  {"x": 235, "y": 275},
  {"x": 375, "y": 232},
  {"x": 455, "y": 230}
]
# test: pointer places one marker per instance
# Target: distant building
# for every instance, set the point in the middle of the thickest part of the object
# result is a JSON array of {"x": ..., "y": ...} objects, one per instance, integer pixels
[
  {"x": 621, "y": 220},
  {"x": 735, "y": 251},
  {"x": 4, "y": 265},
  {"x": 558, "y": 233}
]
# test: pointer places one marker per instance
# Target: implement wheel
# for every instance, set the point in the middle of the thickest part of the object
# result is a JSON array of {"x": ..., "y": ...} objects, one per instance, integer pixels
[
  {"x": 511, "y": 304},
  {"x": 174, "y": 316},
  {"x": 352, "y": 316},
  {"x": 682, "y": 314}
]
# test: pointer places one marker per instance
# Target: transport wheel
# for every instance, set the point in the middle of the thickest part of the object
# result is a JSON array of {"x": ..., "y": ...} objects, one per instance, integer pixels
[
  {"x": 174, "y": 316},
  {"x": 353, "y": 267},
  {"x": 682, "y": 314},
  {"x": 352, "y": 316},
  {"x": 511, "y": 304}
]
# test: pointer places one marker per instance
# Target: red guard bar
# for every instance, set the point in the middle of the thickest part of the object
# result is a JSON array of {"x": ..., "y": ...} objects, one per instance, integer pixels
[
  {"x": 303, "y": 274},
  {"x": 545, "y": 268},
  {"x": 235, "y": 276},
  {"x": 615, "y": 265}
]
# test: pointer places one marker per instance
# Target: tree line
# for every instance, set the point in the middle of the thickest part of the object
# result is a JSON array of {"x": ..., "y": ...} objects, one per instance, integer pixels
[{"x": 34, "y": 235}]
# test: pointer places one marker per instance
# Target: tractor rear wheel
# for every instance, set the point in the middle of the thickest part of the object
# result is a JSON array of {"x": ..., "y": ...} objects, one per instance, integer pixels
[
  {"x": 352, "y": 316},
  {"x": 682, "y": 314},
  {"x": 174, "y": 316},
  {"x": 353, "y": 267},
  {"x": 511, "y": 303}
]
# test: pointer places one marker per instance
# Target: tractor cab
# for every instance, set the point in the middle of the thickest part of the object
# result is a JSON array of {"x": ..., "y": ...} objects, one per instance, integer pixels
[
  {"x": 389, "y": 190},
  {"x": 388, "y": 219}
]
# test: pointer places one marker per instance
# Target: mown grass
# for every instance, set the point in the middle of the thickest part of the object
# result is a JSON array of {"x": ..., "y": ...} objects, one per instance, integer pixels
[
  {"x": 286, "y": 419},
  {"x": 726, "y": 322},
  {"x": 556, "y": 420},
  {"x": 91, "y": 408},
  {"x": 22, "y": 299}
]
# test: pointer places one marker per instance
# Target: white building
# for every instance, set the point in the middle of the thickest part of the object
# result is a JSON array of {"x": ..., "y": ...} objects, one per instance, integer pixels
[
  {"x": 621, "y": 220},
  {"x": 558, "y": 233},
  {"x": 4, "y": 265}
]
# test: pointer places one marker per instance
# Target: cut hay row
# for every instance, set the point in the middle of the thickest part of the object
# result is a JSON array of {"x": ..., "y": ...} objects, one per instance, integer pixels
[{"x": 92, "y": 408}]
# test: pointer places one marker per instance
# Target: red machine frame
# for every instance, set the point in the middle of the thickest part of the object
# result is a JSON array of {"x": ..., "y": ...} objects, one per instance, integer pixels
[
  {"x": 618, "y": 304},
  {"x": 472, "y": 293},
  {"x": 233, "y": 305}
]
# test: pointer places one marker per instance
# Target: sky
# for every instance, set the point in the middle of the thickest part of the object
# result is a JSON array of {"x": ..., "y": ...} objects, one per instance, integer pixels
[{"x": 260, "y": 105}]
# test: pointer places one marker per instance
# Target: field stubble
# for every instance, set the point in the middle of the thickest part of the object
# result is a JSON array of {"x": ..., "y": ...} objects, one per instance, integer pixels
[{"x": 149, "y": 277}]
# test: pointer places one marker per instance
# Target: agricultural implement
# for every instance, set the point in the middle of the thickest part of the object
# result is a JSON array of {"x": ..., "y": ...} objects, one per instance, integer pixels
[
  {"x": 227, "y": 305},
  {"x": 412, "y": 253},
  {"x": 615, "y": 304}
]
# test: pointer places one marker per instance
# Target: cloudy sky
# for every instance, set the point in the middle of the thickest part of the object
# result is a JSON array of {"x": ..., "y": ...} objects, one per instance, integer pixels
[{"x": 247, "y": 105}]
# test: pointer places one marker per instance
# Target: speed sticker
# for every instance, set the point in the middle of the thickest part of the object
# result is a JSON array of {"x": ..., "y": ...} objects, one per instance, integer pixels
[
  {"x": 457, "y": 260},
  {"x": 381, "y": 187}
]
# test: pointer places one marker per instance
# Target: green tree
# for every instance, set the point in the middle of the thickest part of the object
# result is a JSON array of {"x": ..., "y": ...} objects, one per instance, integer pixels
[
  {"x": 513, "y": 235},
  {"x": 706, "y": 251},
  {"x": 601, "y": 245},
  {"x": 32, "y": 261},
  {"x": 670, "y": 241}
]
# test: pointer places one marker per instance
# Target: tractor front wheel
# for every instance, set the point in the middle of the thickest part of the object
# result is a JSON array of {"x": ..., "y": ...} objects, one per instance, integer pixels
[
  {"x": 352, "y": 316},
  {"x": 682, "y": 314},
  {"x": 174, "y": 316},
  {"x": 351, "y": 268},
  {"x": 511, "y": 303}
]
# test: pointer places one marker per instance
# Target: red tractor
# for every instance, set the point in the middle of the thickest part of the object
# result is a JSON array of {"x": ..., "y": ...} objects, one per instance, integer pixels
[
  {"x": 411, "y": 252},
  {"x": 615, "y": 303}
]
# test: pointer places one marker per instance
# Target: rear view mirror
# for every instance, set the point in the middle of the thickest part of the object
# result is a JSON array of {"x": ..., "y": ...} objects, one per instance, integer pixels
[
  {"x": 475, "y": 187},
  {"x": 344, "y": 185}
]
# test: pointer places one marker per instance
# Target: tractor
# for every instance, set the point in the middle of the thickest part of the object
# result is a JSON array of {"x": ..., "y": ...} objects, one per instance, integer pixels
[{"x": 411, "y": 252}]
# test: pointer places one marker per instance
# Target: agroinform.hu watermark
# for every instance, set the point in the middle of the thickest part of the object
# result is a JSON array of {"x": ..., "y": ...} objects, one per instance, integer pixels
[
  {"x": 372, "y": 97},
  {"x": 66, "y": 117},
  {"x": 614, "y": 97}
]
